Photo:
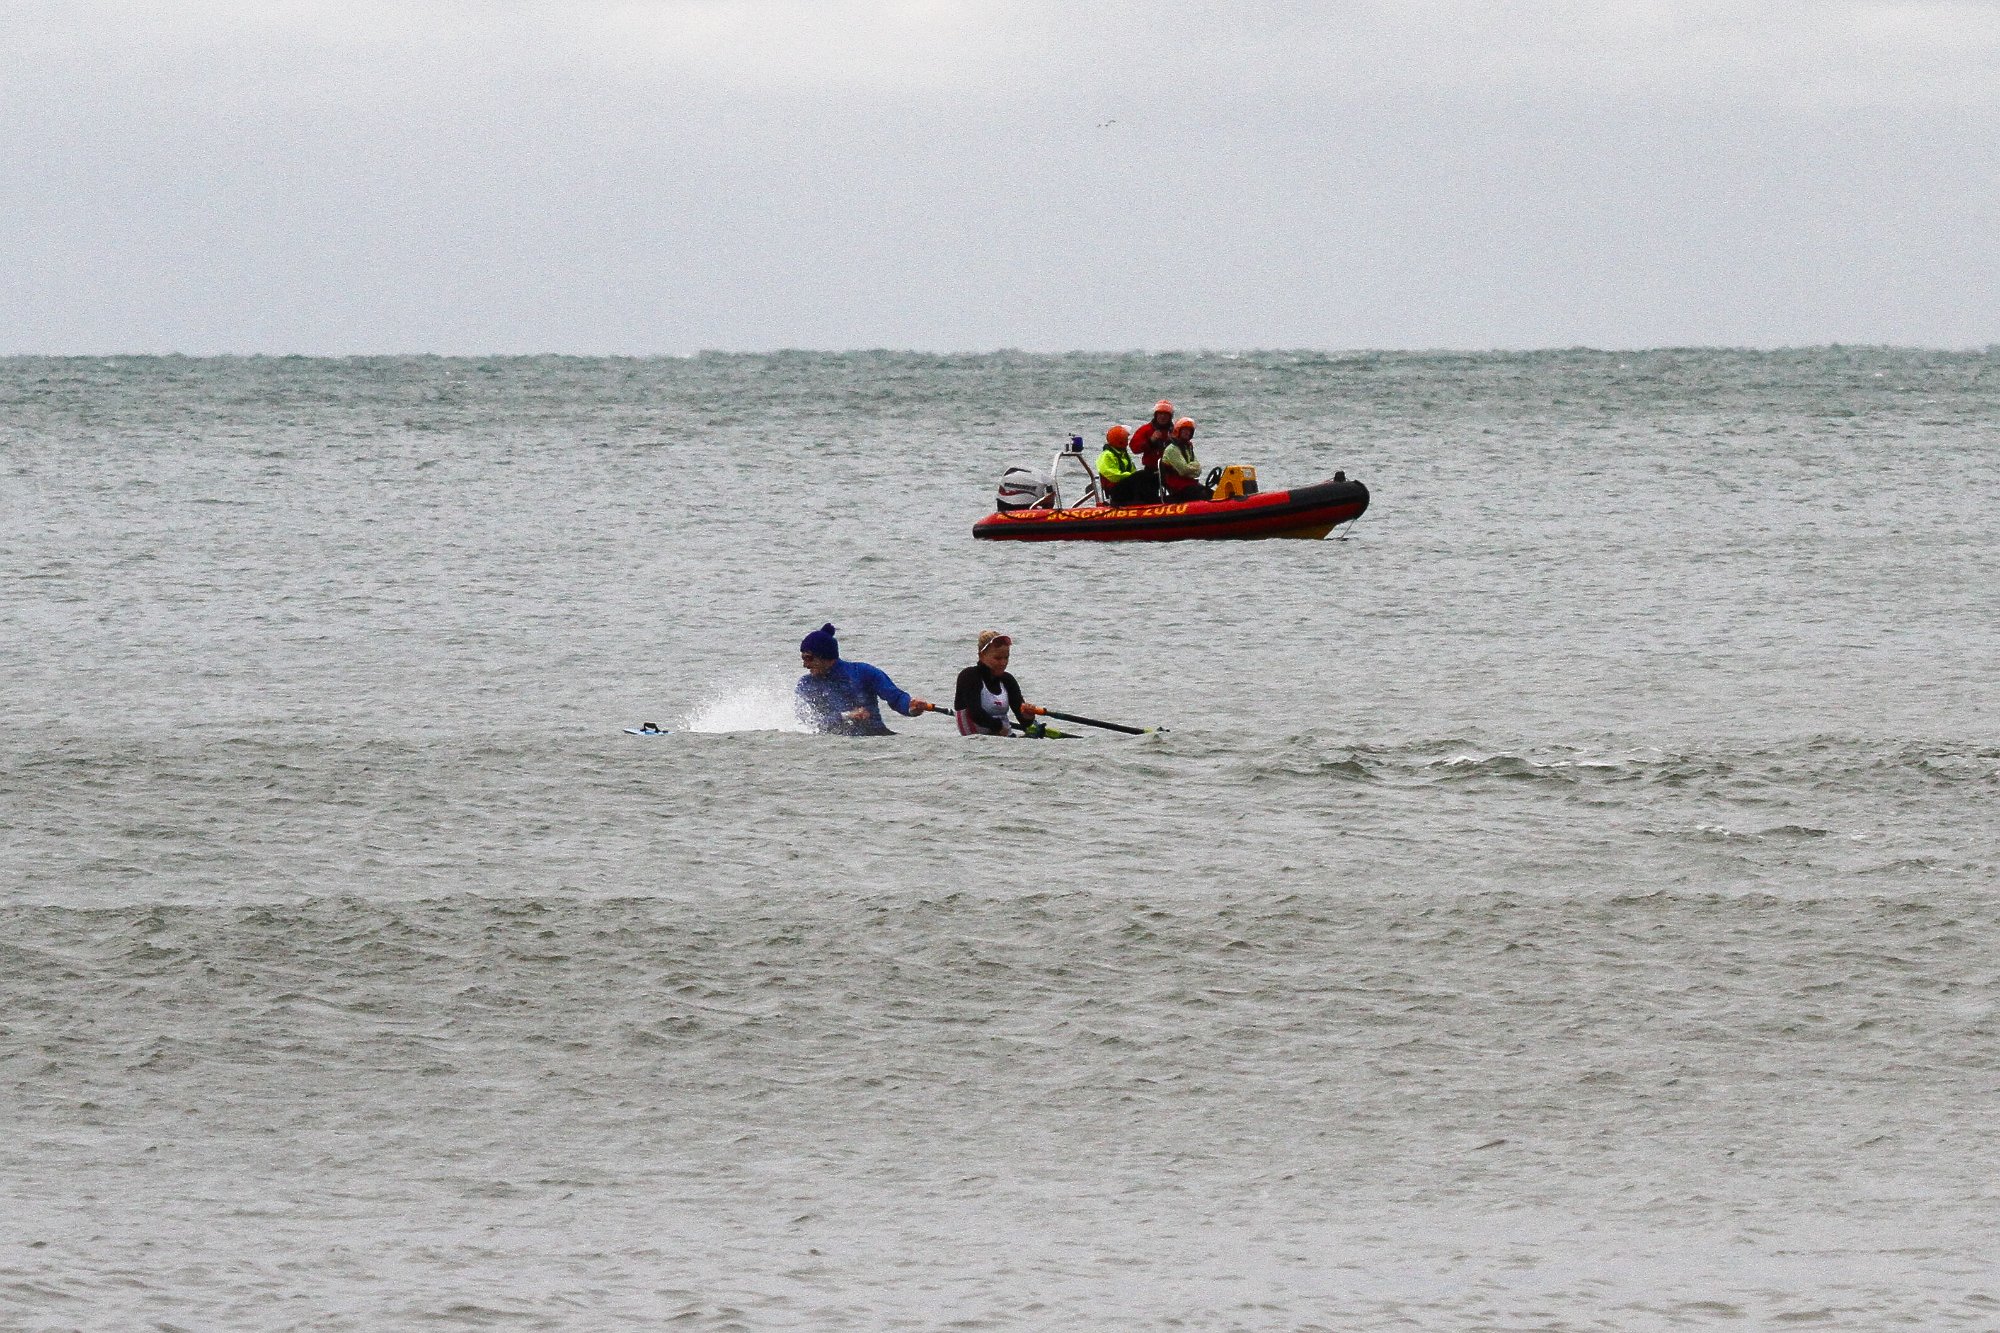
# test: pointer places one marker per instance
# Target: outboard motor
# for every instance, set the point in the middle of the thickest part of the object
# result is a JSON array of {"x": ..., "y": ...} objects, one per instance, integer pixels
[{"x": 1022, "y": 489}]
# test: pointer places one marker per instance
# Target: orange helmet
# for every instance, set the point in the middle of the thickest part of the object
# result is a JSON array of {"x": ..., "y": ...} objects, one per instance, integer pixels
[
  {"x": 1117, "y": 437},
  {"x": 1184, "y": 427},
  {"x": 1163, "y": 406}
]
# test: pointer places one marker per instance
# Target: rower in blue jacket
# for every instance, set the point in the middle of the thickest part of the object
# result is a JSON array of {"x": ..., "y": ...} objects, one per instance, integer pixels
[{"x": 845, "y": 698}]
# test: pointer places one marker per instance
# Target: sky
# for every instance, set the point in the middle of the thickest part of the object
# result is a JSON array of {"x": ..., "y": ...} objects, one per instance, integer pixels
[{"x": 642, "y": 177}]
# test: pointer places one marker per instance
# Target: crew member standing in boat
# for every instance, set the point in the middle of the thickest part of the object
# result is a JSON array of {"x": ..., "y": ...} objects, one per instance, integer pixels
[
  {"x": 1121, "y": 478},
  {"x": 1180, "y": 472},
  {"x": 1150, "y": 442},
  {"x": 987, "y": 692},
  {"x": 845, "y": 698}
]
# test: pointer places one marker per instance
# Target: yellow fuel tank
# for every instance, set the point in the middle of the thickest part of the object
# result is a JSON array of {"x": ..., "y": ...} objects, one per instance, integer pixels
[{"x": 1236, "y": 482}]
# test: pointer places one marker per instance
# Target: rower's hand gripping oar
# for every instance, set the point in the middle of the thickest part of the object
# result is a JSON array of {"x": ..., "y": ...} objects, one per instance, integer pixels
[{"x": 1093, "y": 722}]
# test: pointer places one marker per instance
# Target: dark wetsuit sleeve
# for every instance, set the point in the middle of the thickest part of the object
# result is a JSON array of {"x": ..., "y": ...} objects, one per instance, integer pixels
[{"x": 966, "y": 693}]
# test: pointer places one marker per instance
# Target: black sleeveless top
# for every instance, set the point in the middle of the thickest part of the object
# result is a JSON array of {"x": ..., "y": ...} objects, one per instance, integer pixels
[{"x": 970, "y": 699}]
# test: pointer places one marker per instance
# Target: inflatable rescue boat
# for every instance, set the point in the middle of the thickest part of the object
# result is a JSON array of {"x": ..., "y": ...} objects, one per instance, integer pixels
[{"x": 1031, "y": 509}]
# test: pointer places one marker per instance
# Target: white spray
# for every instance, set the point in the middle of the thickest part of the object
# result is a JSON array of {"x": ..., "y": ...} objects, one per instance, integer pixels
[{"x": 765, "y": 704}]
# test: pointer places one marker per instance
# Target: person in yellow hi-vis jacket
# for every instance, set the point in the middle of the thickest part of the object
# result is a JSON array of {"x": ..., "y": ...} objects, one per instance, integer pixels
[{"x": 1124, "y": 481}]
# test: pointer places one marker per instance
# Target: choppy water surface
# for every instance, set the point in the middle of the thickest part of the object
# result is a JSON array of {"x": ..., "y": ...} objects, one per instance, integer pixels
[{"x": 1569, "y": 903}]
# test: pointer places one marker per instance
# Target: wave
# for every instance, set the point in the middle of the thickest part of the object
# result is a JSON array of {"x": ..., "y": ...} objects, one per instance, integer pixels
[{"x": 1833, "y": 763}]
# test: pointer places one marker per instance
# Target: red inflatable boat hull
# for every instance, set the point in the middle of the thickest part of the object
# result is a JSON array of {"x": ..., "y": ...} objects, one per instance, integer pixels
[{"x": 1305, "y": 511}]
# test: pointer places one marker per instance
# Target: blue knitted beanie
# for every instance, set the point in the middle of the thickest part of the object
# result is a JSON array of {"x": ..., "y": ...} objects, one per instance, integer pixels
[{"x": 821, "y": 643}]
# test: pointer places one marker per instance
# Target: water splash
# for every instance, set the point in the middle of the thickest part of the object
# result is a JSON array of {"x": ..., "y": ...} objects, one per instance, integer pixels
[{"x": 760, "y": 705}]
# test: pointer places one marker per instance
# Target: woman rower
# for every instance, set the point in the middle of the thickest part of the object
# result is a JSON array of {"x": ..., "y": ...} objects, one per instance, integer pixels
[{"x": 987, "y": 692}]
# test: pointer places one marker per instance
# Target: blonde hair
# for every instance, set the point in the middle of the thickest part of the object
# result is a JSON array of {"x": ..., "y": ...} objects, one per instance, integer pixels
[{"x": 987, "y": 637}]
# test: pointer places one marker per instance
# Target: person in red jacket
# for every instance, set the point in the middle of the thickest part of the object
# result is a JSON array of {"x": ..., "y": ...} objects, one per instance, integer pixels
[{"x": 1151, "y": 440}]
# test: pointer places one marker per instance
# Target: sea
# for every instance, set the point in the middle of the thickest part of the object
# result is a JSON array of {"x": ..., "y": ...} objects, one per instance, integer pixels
[{"x": 1567, "y": 899}]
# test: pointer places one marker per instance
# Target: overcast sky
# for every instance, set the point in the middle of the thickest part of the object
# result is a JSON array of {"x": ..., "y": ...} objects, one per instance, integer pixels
[{"x": 664, "y": 176}]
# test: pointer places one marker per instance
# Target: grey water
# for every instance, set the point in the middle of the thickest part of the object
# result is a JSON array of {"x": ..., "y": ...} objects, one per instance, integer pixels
[{"x": 1568, "y": 902}]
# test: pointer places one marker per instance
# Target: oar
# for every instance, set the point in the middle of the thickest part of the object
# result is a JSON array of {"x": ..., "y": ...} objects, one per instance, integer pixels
[{"x": 1093, "y": 722}]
